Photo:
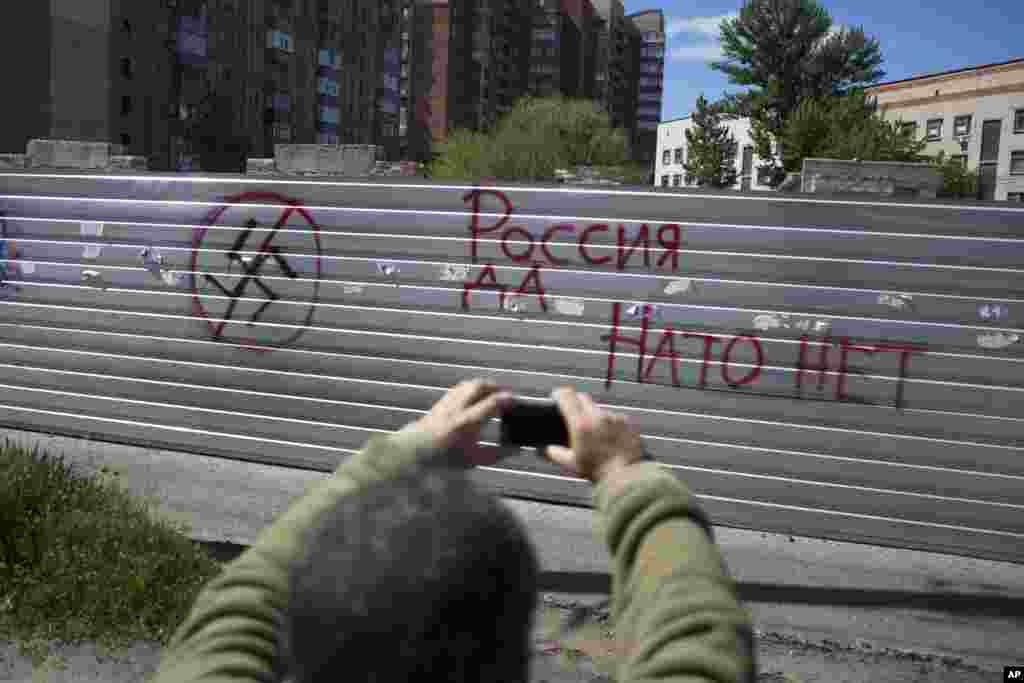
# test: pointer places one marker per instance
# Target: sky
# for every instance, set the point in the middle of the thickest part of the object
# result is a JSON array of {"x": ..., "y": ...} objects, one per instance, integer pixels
[{"x": 917, "y": 37}]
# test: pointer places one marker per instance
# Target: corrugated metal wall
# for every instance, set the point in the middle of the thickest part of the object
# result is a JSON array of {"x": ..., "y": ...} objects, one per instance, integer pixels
[{"x": 843, "y": 369}]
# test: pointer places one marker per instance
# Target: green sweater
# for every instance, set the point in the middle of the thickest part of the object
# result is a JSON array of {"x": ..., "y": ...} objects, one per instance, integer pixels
[{"x": 676, "y": 611}]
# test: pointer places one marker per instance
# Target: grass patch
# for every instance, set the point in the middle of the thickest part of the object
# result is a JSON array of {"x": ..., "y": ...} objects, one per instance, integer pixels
[{"x": 83, "y": 560}]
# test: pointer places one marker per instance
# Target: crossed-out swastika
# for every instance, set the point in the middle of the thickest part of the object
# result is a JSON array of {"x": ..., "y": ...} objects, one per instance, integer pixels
[{"x": 253, "y": 272}]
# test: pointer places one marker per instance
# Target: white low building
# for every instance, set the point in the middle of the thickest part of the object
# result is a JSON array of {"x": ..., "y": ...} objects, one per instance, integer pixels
[
  {"x": 672, "y": 154},
  {"x": 975, "y": 114}
]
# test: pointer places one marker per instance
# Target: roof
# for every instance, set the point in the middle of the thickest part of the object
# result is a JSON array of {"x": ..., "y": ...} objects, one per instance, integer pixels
[{"x": 949, "y": 73}]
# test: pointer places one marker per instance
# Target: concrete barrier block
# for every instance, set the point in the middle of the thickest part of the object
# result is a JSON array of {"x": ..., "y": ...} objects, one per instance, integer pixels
[
  {"x": 261, "y": 166},
  {"x": 129, "y": 162},
  {"x": 68, "y": 154},
  {"x": 296, "y": 158},
  {"x": 329, "y": 160},
  {"x": 13, "y": 161}
]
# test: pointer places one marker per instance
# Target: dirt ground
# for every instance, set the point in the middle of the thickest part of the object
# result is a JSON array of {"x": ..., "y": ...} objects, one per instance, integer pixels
[{"x": 585, "y": 655}]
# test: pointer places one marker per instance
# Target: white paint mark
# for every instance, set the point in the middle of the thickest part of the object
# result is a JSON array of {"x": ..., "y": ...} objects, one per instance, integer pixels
[
  {"x": 822, "y": 326},
  {"x": 513, "y": 303},
  {"x": 454, "y": 272},
  {"x": 680, "y": 286},
  {"x": 768, "y": 322},
  {"x": 352, "y": 289},
  {"x": 90, "y": 229},
  {"x": 388, "y": 269},
  {"x": 92, "y": 251},
  {"x": 27, "y": 267},
  {"x": 997, "y": 340},
  {"x": 93, "y": 278},
  {"x": 172, "y": 278},
  {"x": 899, "y": 301},
  {"x": 993, "y": 311},
  {"x": 569, "y": 306}
]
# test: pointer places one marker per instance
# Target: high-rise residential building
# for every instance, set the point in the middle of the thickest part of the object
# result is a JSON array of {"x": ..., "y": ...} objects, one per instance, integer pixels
[
  {"x": 201, "y": 82},
  {"x": 650, "y": 26},
  {"x": 206, "y": 83}
]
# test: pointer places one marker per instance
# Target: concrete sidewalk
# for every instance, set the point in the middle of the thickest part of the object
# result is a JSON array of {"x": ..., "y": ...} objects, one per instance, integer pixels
[{"x": 815, "y": 601}]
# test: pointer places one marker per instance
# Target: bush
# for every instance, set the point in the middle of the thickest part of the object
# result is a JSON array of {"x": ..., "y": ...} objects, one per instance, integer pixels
[
  {"x": 957, "y": 181},
  {"x": 530, "y": 142},
  {"x": 82, "y": 560}
]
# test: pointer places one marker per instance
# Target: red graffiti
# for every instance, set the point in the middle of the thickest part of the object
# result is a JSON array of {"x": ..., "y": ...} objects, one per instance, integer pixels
[
  {"x": 666, "y": 349},
  {"x": 669, "y": 238},
  {"x": 532, "y": 279},
  {"x": 288, "y": 208}
]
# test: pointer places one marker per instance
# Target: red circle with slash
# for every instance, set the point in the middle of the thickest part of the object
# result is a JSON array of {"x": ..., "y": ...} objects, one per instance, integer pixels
[{"x": 289, "y": 207}]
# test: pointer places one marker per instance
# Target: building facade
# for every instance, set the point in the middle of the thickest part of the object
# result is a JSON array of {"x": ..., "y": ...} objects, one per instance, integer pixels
[
  {"x": 205, "y": 84},
  {"x": 650, "y": 26},
  {"x": 672, "y": 154},
  {"x": 975, "y": 114}
]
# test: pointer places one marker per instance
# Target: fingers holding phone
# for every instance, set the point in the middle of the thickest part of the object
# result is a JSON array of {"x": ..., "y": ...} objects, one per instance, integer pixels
[{"x": 599, "y": 442}]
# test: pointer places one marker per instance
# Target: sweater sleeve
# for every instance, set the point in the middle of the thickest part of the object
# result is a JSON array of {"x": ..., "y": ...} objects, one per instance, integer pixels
[
  {"x": 677, "y": 614},
  {"x": 233, "y": 632}
]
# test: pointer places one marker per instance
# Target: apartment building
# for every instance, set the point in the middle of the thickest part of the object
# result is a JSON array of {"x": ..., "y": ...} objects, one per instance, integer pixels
[
  {"x": 617, "y": 67},
  {"x": 181, "y": 81},
  {"x": 474, "y": 59},
  {"x": 205, "y": 83},
  {"x": 975, "y": 114},
  {"x": 672, "y": 153},
  {"x": 650, "y": 26}
]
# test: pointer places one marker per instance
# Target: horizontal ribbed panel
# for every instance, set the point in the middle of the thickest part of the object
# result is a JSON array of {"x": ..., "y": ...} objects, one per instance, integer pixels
[{"x": 170, "y": 312}]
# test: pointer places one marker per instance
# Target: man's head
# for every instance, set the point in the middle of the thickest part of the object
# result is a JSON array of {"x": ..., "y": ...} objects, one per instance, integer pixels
[{"x": 418, "y": 577}]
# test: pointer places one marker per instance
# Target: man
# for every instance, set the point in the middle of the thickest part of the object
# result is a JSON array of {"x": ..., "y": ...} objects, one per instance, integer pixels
[{"x": 398, "y": 568}]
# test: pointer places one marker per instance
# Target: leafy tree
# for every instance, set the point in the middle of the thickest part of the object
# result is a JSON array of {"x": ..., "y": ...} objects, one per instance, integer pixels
[
  {"x": 957, "y": 181},
  {"x": 786, "y": 51},
  {"x": 711, "y": 156},
  {"x": 844, "y": 127},
  {"x": 537, "y": 137}
]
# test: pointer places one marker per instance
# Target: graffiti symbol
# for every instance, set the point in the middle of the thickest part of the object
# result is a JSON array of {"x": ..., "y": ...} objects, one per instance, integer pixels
[
  {"x": 254, "y": 271},
  {"x": 251, "y": 266}
]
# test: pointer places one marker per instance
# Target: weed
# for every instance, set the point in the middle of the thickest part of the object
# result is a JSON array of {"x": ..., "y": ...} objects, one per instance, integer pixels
[{"x": 82, "y": 560}]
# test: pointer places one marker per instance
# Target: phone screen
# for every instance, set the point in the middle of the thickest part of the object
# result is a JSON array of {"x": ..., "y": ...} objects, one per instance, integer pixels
[{"x": 534, "y": 424}]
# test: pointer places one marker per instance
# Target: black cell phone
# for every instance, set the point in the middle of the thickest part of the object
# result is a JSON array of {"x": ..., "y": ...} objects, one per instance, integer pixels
[{"x": 534, "y": 424}]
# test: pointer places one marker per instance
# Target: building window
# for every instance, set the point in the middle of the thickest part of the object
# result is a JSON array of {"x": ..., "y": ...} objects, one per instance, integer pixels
[
  {"x": 666, "y": 157},
  {"x": 910, "y": 128},
  {"x": 126, "y": 105},
  {"x": 962, "y": 125},
  {"x": 279, "y": 40},
  {"x": 677, "y": 179},
  {"x": 329, "y": 115},
  {"x": 1015, "y": 196},
  {"x": 1017, "y": 163},
  {"x": 126, "y": 68},
  {"x": 329, "y": 57},
  {"x": 934, "y": 129},
  {"x": 664, "y": 181},
  {"x": 327, "y": 87},
  {"x": 126, "y": 140},
  {"x": 1018, "y": 121},
  {"x": 679, "y": 155},
  {"x": 126, "y": 27}
]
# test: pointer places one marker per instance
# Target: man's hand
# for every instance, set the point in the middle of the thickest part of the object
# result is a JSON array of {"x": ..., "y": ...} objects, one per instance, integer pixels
[
  {"x": 602, "y": 442},
  {"x": 455, "y": 421}
]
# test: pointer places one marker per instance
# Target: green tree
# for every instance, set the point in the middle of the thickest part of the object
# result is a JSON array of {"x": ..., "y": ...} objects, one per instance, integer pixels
[
  {"x": 786, "y": 51},
  {"x": 958, "y": 182},
  {"x": 844, "y": 127},
  {"x": 711, "y": 157},
  {"x": 538, "y": 136}
]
